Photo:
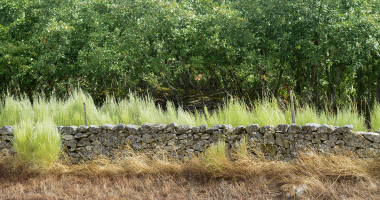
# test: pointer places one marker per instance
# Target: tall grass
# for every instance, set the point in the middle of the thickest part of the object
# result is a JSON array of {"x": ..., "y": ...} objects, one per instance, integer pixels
[
  {"x": 215, "y": 157},
  {"x": 344, "y": 115},
  {"x": 138, "y": 110},
  {"x": 40, "y": 145},
  {"x": 375, "y": 117}
]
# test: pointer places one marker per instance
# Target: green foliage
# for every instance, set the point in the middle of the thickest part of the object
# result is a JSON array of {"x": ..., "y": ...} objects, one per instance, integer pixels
[{"x": 326, "y": 51}]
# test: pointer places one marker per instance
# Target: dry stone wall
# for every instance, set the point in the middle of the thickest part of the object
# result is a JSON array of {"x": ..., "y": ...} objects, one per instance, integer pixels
[{"x": 281, "y": 142}]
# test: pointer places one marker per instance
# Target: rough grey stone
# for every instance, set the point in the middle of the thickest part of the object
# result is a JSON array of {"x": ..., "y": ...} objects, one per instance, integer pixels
[
  {"x": 252, "y": 128},
  {"x": 6, "y": 130},
  {"x": 59, "y": 128},
  {"x": 266, "y": 128},
  {"x": 339, "y": 142},
  {"x": 227, "y": 129},
  {"x": 183, "y": 128},
  {"x": 196, "y": 129},
  {"x": 81, "y": 135},
  {"x": 231, "y": 138},
  {"x": 282, "y": 128},
  {"x": 325, "y": 129},
  {"x": 159, "y": 127},
  {"x": 205, "y": 136},
  {"x": 356, "y": 140},
  {"x": 172, "y": 127},
  {"x": 70, "y": 130},
  {"x": 108, "y": 127},
  {"x": 310, "y": 127},
  {"x": 132, "y": 129},
  {"x": 344, "y": 129},
  {"x": 119, "y": 128},
  {"x": 147, "y": 126},
  {"x": 374, "y": 137},
  {"x": 182, "y": 137},
  {"x": 294, "y": 128},
  {"x": 214, "y": 128},
  {"x": 82, "y": 129},
  {"x": 321, "y": 136},
  {"x": 239, "y": 130},
  {"x": 94, "y": 129},
  {"x": 202, "y": 128}
]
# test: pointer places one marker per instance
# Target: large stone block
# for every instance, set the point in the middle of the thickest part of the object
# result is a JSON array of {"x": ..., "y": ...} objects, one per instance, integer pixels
[
  {"x": 214, "y": 128},
  {"x": 374, "y": 137},
  {"x": 70, "y": 130},
  {"x": 172, "y": 127},
  {"x": 282, "y": 128},
  {"x": 264, "y": 129},
  {"x": 310, "y": 127},
  {"x": 294, "y": 128},
  {"x": 108, "y": 127},
  {"x": 239, "y": 130},
  {"x": 119, "y": 128},
  {"x": 183, "y": 128},
  {"x": 133, "y": 129},
  {"x": 94, "y": 129},
  {"x": 344, "y": 129},
  {"x": 6, "y": 130},
  {"x": 252, "y": 128},
  {"x": 158, "y": 127},
  {"x": 326, "y": 129}
]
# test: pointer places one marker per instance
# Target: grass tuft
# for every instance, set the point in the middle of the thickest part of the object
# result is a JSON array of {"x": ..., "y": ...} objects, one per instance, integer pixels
[{"x": 39, "y": 146}]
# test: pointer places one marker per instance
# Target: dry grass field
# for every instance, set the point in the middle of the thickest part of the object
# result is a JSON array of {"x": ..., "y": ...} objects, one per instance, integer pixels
[{"x": 212, "y": 175}]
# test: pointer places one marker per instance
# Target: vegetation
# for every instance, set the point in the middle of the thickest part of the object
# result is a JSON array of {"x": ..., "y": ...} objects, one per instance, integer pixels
[
  {"x": 40, "y": 147},
  {"x": 326, "y": 51},
  {"x": 138, "y": 110}
]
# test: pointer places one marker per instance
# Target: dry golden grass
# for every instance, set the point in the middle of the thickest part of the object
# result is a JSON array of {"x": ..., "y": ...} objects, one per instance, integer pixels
[{"x": 239, "y": 176}]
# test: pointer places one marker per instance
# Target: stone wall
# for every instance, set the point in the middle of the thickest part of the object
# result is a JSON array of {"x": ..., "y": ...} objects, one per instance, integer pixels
[{"x": 282, "y": 142}]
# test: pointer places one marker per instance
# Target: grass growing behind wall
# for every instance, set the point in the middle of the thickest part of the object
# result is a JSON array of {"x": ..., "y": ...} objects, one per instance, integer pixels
[
  {"x": 375, "y": 117},
  {"x": 138, "y": 110}
]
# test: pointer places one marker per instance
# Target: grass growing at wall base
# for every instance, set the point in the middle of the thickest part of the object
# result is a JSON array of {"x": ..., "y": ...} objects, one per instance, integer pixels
[{"x": 40, "y": 147}]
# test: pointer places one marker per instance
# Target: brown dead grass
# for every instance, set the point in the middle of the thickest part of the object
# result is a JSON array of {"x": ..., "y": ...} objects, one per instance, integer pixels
[{"x": 138, "y": 176}]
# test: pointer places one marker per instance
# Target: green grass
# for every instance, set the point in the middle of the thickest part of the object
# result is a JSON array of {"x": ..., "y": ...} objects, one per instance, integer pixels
[
  {"x": 215, "y": 157},
  {"x": 40, "y": 147},
  {"x": 139, "y": 110},
  {"x": 375, "y": 117}
]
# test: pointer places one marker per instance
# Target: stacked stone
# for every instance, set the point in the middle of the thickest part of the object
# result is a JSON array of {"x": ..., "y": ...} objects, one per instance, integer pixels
[
  {"x": 6, "y": 137},
  {"x": 282, "y": 142}
]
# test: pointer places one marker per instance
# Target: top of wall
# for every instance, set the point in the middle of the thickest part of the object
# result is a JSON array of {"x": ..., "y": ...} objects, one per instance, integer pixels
[{"x": 179, "y": 129}]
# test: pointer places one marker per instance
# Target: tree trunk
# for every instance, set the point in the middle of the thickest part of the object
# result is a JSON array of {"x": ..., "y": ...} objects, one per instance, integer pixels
[
  {"x": 378, "y": 87},
  {"x": 333, "y": 84},
  {"x": 359, "y": 88},
  {"x": 279, "y": 81}
]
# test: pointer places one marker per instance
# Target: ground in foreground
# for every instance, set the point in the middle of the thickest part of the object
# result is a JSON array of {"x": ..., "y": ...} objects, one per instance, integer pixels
[{"x": 311, "y": 176}]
